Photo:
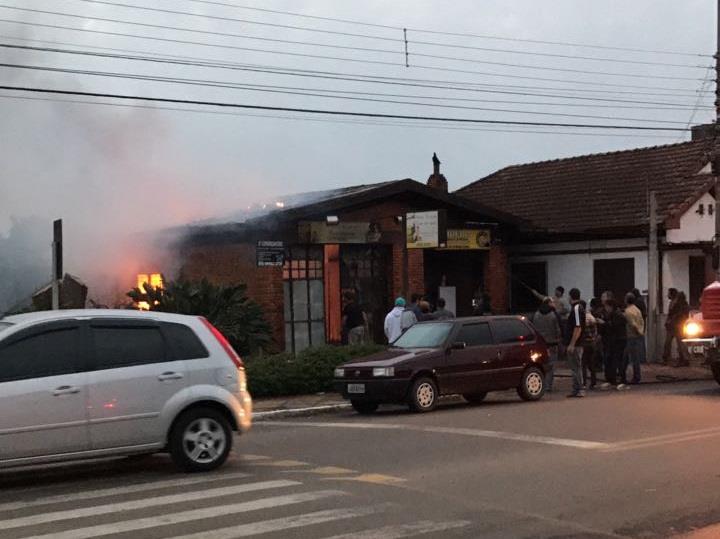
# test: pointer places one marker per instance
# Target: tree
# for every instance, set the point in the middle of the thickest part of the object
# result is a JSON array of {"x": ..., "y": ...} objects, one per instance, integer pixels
[{"x": 227, "y": 307}]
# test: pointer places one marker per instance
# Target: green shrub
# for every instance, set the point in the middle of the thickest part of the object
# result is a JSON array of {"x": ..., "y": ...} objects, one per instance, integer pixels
[{"x": 310, "y": 372}]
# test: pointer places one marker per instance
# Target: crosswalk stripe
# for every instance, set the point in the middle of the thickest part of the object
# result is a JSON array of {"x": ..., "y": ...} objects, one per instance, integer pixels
[
  {"x": 277, "y": 524},
  {"x": 117, "y": 491},
  {"x": 404, "y": 530},
  {"x": 44, "y": 518},
  {"x": 188, "y": 516}
]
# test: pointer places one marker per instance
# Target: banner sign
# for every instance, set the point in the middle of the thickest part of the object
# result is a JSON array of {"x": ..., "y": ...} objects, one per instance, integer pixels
[
  {"x": 342, "y": 232},
  {"x": 269, "y": 254},
  {"x": 425, "y": 229},
  {"x": 467, "y": 238}
]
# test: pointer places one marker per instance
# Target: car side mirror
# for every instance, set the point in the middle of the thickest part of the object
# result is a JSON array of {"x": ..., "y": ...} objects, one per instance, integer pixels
[{"x": 459, "y": 345}]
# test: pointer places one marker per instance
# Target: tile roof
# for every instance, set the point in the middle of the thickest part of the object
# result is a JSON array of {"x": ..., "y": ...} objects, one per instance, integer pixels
[{"x": 598, "y": 193}]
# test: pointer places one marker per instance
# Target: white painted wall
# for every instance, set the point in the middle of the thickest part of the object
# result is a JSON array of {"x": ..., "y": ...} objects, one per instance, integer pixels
[
  {"x": 695, "y": 227},
  {"x": 676, "y": 272},
  {"x": 576, "y": 270}
]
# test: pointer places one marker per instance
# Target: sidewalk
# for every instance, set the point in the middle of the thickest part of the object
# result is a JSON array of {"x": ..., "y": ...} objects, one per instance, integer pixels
[
  {"x": 654, "y": 373},
  {"x": 298, "y": 405}
]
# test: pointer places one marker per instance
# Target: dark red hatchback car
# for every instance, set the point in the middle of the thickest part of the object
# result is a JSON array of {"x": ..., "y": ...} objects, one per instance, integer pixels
[{"x": 466, "y": 356}]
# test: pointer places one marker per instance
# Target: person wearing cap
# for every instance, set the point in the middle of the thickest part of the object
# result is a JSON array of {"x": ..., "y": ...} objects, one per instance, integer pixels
[{"x": 398, "y": 320}]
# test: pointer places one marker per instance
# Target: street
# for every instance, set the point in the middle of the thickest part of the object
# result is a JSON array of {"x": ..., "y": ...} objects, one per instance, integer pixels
[{"x": 623, "y": 464}]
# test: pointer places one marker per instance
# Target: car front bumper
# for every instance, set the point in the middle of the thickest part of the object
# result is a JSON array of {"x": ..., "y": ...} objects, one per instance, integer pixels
[{"x": 386, "y": 390}]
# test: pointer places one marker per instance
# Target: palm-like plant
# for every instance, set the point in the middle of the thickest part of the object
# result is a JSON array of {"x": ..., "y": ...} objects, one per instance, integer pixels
[{"x": 227, "y": 307}]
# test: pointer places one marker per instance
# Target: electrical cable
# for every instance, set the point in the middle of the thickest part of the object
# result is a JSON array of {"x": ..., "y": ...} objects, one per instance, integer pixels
[
  {"x": 348, "y": 59},
  {"x": 280, "y": 90},
  {"x": 333, "y": 112},
  {"x": 436, "y": 32},
  {"x": 233, "y": 47},
  {"x": 426, "y": 43},
  {"x": 364, "y": 78},
  {"x": 328, "y": 120}
]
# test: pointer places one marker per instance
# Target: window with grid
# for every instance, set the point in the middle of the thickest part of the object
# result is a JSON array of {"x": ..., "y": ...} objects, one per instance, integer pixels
[{"x": 304, "y": 297}]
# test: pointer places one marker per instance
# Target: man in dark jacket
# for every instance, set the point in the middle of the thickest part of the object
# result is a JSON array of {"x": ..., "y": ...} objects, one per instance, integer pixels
[
  {"x": 573, "y": 338},
  {"x": 614, "y": 338},
  {"x": 677, "y": 313},
  {"x": 547, "y": 322}
]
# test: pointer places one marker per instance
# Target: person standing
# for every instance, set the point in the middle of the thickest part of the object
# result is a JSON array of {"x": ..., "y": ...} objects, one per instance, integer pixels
[
  {"x": 635, "y": 337},
  {"x": 547, "y": 323},
  {"x": 614, "y": 337},
  {"x": 574, "y": 330},
  {"x": 640, "y": 304},
  {"x": 398, "y": 320},
  {"x": 683, "y": 313},
  {"x": 561, "y": 306},
  {"x": 441, "y": 313},
  {"x": 353, "y": 319},
  {"x": 589, "y": 344},
  {"x": 415, "y": 306},
  {"x": 677, "y": 313}
]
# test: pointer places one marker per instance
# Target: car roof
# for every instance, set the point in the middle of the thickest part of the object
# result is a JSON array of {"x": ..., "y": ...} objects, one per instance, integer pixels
[
  {"x": 486, "y": 318},
  {"x": 69, "y": 314}
]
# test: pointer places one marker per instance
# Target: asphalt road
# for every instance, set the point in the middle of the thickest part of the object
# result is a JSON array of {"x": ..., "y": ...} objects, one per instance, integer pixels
[{"x": 640, "y": 463}]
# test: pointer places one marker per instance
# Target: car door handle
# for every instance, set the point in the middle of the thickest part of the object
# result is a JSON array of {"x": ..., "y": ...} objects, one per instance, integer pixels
[
  {"x": 170, "y": 376},
  {"x": 65, "y": 390}
]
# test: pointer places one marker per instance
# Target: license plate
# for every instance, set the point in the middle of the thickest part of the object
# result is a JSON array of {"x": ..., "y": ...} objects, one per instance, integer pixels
[
  {"x": 698, "y": 349},
  {"x": 356, "y": 388}
]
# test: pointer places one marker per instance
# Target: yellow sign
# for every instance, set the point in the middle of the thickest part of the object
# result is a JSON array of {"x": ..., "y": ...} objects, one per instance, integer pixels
[{"x": 467, "y": 238}]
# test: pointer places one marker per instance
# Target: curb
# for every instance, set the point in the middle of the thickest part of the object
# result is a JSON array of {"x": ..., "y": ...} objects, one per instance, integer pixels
[{"x": 298, "y": 412}]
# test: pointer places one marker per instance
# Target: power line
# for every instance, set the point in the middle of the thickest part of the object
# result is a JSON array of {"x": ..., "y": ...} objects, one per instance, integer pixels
[
  {"x": 280, "y": 90},
  {"x": 334, "y": 112},
  {"x": 206, "y": 62},
  {"x": 376, "y": 79},
  {"x": 348, "y": 59},
  {"x": 457, "y": 34},
  {"x": 234, "y": 47},
  {"x": 329, "y": 120},
  {"x": 414, "y": 42}
]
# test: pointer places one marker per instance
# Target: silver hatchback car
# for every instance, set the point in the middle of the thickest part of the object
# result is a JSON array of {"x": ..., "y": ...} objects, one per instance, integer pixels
[{"x": 92, "y": 383}]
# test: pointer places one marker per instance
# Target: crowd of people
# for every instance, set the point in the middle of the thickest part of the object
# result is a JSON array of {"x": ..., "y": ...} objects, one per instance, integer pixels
[{"x": 605, "y": 336}]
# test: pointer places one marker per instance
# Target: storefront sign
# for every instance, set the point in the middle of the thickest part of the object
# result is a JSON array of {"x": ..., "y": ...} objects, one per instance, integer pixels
[
  {"x": 342, "y": 232},
  {"x": 425, "y": 229},
  {"x": 467, "y": 238},
  {"x": 270, "y": 253}
]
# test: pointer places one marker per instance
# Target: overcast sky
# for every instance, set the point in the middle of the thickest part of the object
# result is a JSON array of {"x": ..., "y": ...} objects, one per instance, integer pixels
[{"x": 108, "y": 169}]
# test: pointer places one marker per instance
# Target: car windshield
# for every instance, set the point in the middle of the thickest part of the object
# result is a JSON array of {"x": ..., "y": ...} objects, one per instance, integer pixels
[{"x": 424, "y": 336}]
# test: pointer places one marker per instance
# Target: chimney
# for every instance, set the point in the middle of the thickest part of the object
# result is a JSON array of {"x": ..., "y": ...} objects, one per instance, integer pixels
[
  {"x": 437, "y": 180},
  {"x": 702, "y": 131}
]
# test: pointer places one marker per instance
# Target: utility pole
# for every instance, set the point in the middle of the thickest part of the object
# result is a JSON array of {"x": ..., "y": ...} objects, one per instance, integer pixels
[
  {"x": 653, "y": 266},
  {"x": 57, "y": 263},
  {"x": 715, "y": 158}
]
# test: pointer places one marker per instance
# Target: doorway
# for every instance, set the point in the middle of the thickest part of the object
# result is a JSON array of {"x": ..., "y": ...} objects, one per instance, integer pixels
[
  {"x": 463, "y": 270},
  {"x": 365, "y": 269}
]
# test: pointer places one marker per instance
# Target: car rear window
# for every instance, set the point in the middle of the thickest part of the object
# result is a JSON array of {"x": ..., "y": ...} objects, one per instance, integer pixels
[
  {"x": 122, "y": 346},
  {"x": 183, "y": 342},
  {"x": 475, "y": 334},
  {"x": 511, "y": 331}
]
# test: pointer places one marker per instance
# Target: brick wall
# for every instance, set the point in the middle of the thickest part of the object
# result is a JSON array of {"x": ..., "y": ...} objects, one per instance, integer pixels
[
  {"x": 235, "y": 263},
  {"x": 496, "y": 279}
]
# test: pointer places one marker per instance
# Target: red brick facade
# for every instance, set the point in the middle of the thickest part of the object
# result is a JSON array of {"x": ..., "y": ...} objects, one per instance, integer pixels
[
  {"x": 496, "y": 279},
  {"x": 235, "y": 263}
]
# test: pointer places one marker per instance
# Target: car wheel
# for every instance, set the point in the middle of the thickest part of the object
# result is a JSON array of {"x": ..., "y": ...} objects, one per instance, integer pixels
[
  {"x": 364, "y": 407},
  {"x": 423, "y": 395},
  {"x": 475, "y": 398},
  {"x": 532, "y": 387},
  {"x": 200, "y": 440}
]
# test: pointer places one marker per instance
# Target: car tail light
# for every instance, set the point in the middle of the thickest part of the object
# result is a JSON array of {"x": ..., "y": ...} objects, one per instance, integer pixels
[{"x": 236, "y": 359}]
